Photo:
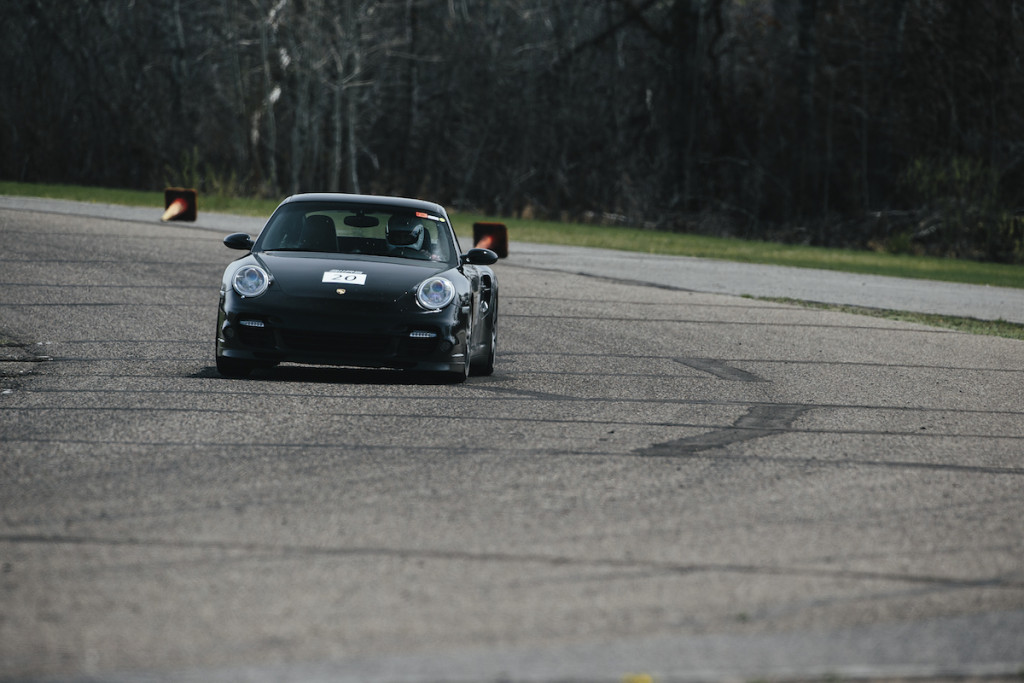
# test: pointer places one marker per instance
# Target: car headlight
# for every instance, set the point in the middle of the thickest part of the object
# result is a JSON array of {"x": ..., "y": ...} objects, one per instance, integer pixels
[
  {"x": 435, "y": 293},
  {"x": 250, "y": 281}
]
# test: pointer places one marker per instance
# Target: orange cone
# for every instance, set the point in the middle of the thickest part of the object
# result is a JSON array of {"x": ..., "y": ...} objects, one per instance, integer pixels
[
  {"x": 179, "y": 204},
  {"x": 493, "y": 236}
]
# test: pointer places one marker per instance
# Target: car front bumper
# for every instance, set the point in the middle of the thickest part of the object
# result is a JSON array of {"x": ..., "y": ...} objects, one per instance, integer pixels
[{"x": 276, "y": 330}]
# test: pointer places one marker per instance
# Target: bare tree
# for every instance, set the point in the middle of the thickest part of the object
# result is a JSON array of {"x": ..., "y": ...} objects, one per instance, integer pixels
[{"x": 833, "y": 122}]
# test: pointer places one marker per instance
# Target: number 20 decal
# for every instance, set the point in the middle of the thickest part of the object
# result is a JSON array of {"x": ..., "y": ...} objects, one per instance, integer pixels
[{"x": 344, "y": 277}]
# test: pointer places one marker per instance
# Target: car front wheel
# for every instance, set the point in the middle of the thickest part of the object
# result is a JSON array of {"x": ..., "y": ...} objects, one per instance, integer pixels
[
  {"x": 233, "y": 367},
  {"x": 485, "y": 366},
  {"x": 459, "y": 376}
]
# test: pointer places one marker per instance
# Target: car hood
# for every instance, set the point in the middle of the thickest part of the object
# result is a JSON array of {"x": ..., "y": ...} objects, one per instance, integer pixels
[{"x": 362, "y": 278}]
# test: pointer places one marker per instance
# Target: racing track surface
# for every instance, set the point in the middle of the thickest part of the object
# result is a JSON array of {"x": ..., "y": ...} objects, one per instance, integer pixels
[{"x": 655, "y": 481}]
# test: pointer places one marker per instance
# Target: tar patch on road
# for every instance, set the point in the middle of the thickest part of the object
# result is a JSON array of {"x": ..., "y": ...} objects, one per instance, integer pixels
[
  {"x": 719, "y": 369},
  {"x": 18, "y": 360},
  {"x": 758, "y": 422}
]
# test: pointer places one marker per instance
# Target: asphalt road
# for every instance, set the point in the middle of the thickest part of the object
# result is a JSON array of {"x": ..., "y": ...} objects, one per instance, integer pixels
[
  {"x": 656, "y": 481},
  {"x": 805, "y": 284}
]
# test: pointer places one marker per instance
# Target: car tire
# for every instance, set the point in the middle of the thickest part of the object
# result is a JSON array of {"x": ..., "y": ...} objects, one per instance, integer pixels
[
  {"x": 460, "y": 376},
  {"x": 233, "y": 367},
  {"x": 485, "y": 366}
]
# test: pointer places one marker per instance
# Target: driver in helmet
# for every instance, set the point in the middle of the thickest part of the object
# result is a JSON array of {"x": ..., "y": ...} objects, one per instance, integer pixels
[{"x": 407, "y": 236}]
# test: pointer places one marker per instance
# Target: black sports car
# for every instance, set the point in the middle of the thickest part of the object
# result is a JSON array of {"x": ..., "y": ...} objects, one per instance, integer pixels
[{"x": 358, "y": 280}]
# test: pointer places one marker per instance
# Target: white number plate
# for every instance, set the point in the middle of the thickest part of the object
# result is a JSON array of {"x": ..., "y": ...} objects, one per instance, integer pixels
[{"x": 344, "y": 277}]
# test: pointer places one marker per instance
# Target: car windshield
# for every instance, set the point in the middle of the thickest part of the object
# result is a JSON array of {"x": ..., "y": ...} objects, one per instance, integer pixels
[{"x": 375, "y": 230}]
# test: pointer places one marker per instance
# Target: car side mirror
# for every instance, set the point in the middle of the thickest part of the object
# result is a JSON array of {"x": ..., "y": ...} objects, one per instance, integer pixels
[
  {"x": 238, "y": 240},
  {"x": 480, "y": 257}
]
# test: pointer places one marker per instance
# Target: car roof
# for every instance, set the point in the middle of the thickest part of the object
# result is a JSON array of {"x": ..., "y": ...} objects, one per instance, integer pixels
[{"x": 402, "y": 202}]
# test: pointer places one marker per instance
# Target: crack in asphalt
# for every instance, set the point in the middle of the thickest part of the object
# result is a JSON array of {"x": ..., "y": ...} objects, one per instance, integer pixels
[
  {"x": 1011, "y": 581},
  {"x": 561, "y": 317},
  {"x": 720, "y": 369}
]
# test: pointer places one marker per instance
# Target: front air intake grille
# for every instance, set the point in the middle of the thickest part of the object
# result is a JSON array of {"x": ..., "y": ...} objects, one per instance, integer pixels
[
  {"x": 420, "y": 347},
  {"x": 259, "y": 337},
  {"x": 334, "y": 342}
]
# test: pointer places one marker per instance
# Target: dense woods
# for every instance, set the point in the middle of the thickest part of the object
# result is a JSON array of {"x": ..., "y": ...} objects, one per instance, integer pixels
[{"x": 895, "y": 124}]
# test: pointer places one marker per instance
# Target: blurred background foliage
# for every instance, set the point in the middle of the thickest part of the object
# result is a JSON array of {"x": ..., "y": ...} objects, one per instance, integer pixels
[{"x": 894, "y": 125}]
